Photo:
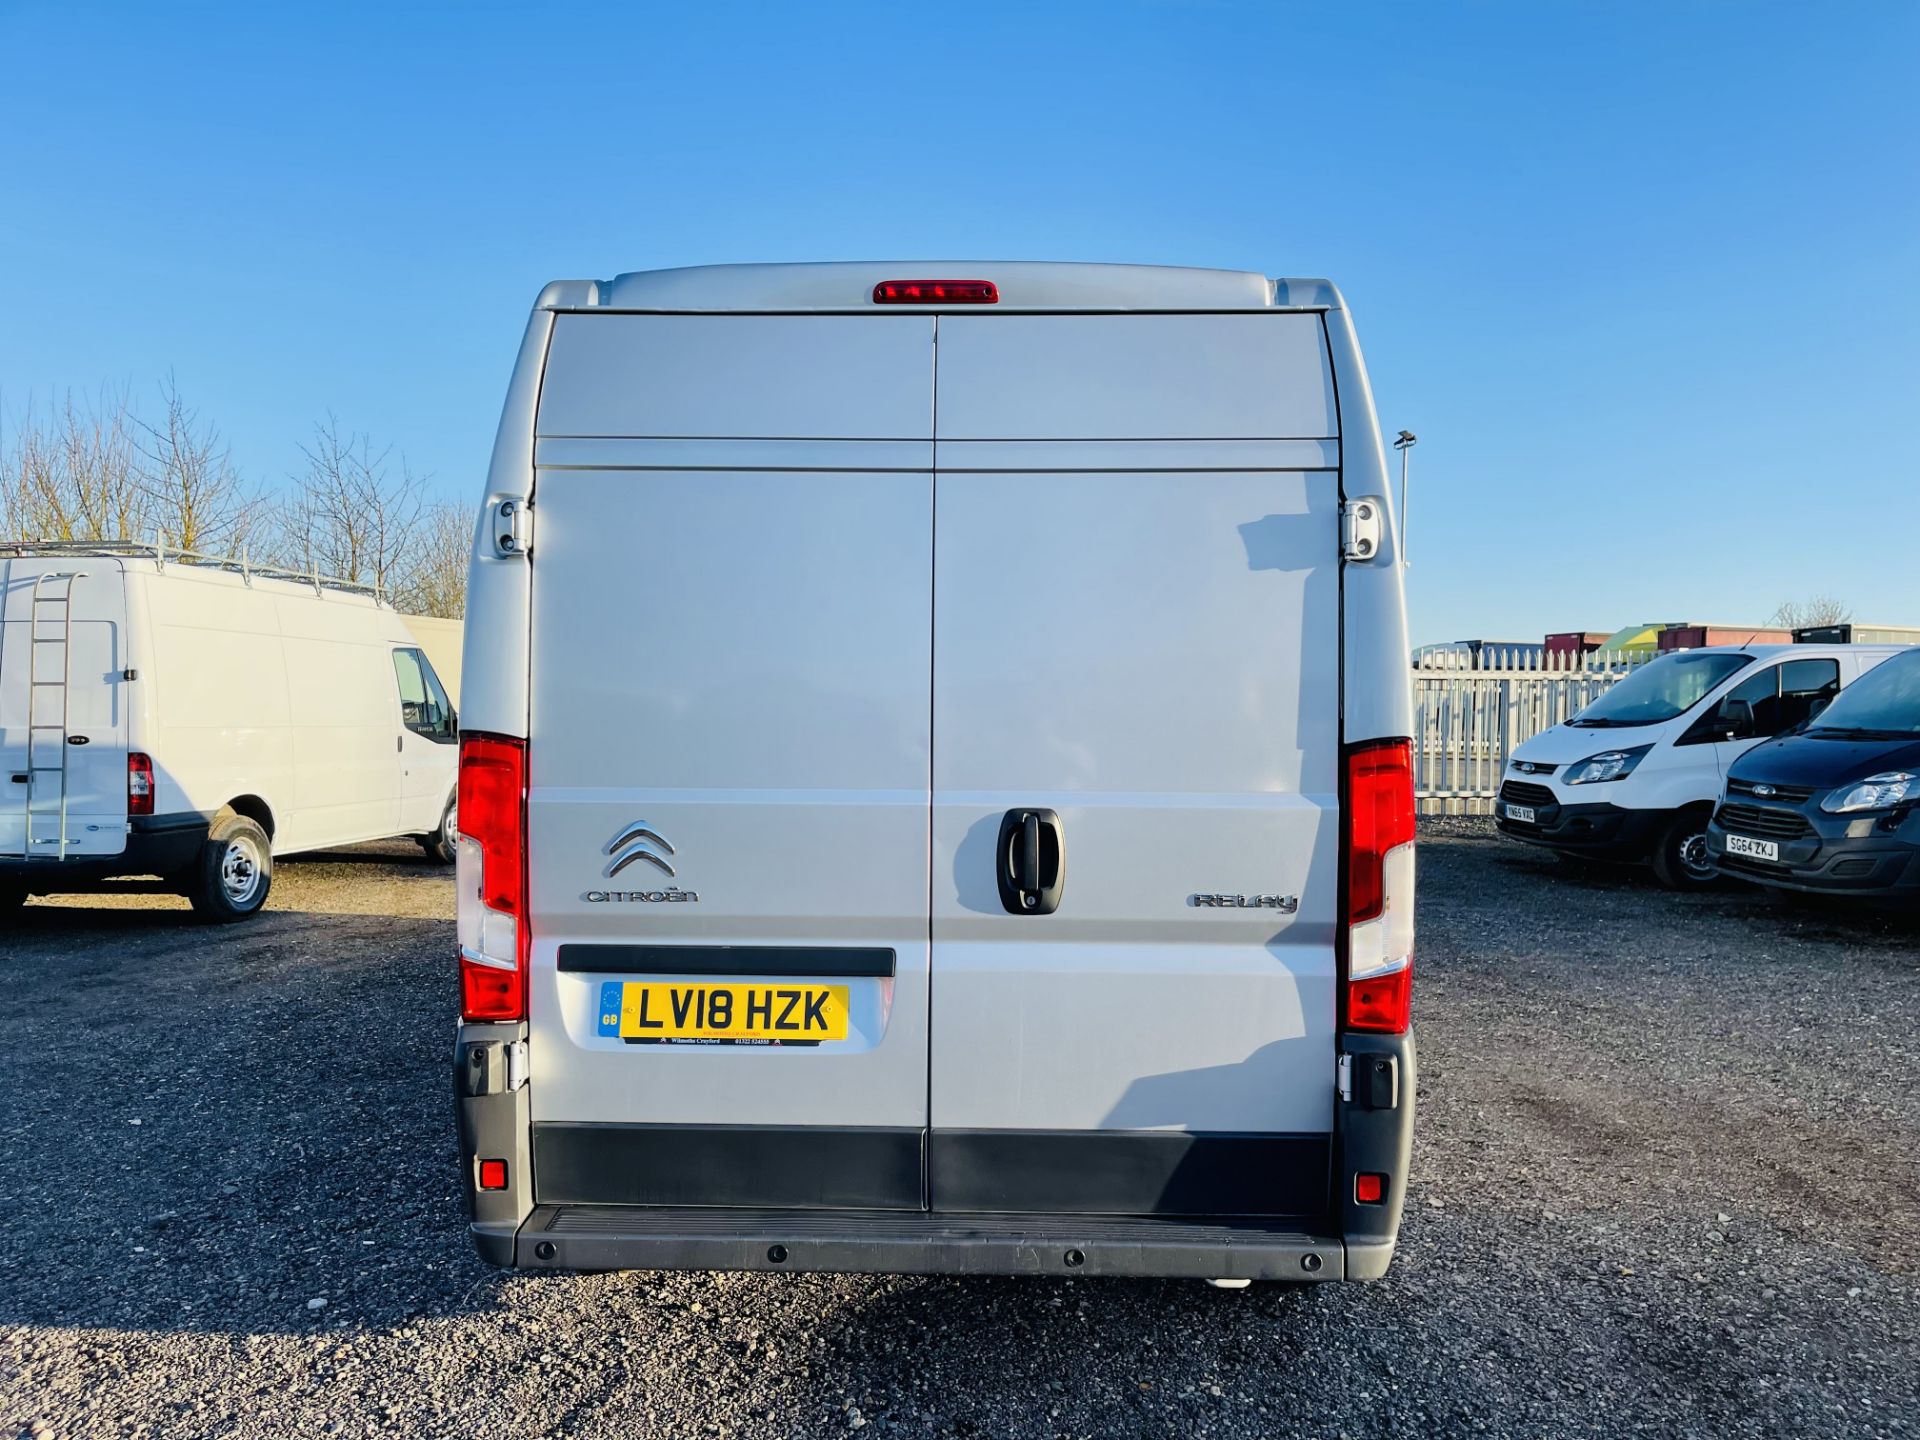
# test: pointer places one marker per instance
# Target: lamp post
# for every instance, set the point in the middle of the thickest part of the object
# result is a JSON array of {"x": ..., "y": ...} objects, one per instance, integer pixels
[{"x": 1403, "y": 443}]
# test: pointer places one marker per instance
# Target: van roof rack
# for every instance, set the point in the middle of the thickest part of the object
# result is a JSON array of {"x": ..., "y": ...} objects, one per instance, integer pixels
[{"x": 162, "y": 555}]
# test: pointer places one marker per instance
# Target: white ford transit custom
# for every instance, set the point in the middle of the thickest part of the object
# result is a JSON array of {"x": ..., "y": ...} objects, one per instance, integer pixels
[
  {"x": 935, "y": 790},
  {"x": 1635, "y": 775}
]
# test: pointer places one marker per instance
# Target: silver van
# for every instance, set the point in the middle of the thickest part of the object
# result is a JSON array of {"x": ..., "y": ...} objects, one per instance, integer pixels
[{"x": 935, "y": 790}]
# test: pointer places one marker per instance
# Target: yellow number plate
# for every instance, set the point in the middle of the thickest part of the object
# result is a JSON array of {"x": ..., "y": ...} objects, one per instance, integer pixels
[{"x": 643, "y": 1010}]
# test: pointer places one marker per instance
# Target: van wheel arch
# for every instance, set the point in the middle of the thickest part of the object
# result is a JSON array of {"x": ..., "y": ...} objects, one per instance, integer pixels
[
  {"x": 254, "y": 808},
  {"x": 1679, "y": 855}
]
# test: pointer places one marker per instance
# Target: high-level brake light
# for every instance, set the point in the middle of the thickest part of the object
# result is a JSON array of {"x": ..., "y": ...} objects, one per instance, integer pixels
[
  {"x": 139, "y": 784},
  {"x": 491, "y": 877},
  {"x": 936, "y": 292},
  {"x": 1379, "y": 856}
]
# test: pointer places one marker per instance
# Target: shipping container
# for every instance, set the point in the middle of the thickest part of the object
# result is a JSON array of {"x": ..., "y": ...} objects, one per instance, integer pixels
[
  {"x": 1576, "y": 642},
  {"x": 1635, "y": 640},
  {"x": 1851, "y": 634},
  {"x": 1695, "y": 637}
]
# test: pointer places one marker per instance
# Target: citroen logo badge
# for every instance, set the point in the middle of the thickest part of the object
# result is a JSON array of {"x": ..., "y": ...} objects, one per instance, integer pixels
[{"x": 638, "y": 842}]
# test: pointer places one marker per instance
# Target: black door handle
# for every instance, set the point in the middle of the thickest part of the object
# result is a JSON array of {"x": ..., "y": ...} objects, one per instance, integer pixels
[
  {"x": 1027, "y": 866},
  {"x": 1031, "y": 862}
]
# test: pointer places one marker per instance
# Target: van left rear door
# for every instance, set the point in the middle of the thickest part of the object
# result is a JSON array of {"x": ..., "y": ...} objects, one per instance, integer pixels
[
  {"x": 729, "y": 761},
  {"x": 76, "y": 712}
]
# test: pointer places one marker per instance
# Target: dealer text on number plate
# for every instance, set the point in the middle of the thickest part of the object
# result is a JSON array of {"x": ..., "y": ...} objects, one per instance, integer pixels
[{"x": 699, "y": 1012}]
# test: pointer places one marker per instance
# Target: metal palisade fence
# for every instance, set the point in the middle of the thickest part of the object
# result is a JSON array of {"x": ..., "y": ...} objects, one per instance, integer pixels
[{"x": 1471, "y": 709}]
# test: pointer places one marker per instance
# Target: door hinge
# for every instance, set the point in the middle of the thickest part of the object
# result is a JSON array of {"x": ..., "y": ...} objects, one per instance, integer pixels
[
  {"x": 1361, "y": 527},
  {"x": 513, "y": 527},
  {"x": 493, "y": 1067},
  {"x": 1377, "y": 1086}
]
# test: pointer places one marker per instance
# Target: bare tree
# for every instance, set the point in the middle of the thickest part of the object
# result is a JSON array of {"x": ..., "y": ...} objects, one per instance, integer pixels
[
  {"x": 74, "y": 476},
  {"x": 195, "y": 498},
  {"x": 435, "y": 582},
  {"x": 1814, "y": 610},
  {"x": 99, "y": 472},
  {"x": 348, "y": 515}
]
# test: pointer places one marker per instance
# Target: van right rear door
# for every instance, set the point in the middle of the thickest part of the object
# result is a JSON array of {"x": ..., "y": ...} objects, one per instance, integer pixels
[{"x": 1136, "y": 642}]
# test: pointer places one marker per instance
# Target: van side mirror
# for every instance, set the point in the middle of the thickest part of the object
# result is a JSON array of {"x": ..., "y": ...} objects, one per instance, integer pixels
[
  {"x": 1820, "y": 703},
  {"x": 1737, "y": 717}
]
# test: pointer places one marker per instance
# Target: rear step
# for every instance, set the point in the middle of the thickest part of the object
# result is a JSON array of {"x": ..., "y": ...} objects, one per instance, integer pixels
[{"x": 611, "y": 1237}]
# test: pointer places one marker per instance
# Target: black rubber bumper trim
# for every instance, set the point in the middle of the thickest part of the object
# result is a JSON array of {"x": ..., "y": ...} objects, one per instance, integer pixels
[
  {"x": 870, "y": 1242},
  {"x": 782, "y": 1167},
  {"x": 160, "y": 845},
  {"x": 1809, "y": 863},
  {"x": 1375, "y": 1141},
  {"x": 772, "y": 960},
  {"x": 1602, "y": 830},
  {"x": 1139, "y": 1172}
]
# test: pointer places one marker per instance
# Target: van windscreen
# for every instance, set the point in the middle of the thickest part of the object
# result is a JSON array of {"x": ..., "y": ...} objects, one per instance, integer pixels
[{"x": 1662, "y": 689}]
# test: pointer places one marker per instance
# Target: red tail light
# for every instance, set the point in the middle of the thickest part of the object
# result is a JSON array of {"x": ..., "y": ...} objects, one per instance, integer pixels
[
  {"x": 936, "y": 292},
  {"x": 491, "y": 873},
  {"x": 1383, "y": 1003},
  {"x": 1379, "y": 860},
  {"x": 139, "y": 784}
]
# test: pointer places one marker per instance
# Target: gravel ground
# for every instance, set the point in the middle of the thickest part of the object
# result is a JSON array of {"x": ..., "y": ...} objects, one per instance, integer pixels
[{"x": 1665, "y": 1185}]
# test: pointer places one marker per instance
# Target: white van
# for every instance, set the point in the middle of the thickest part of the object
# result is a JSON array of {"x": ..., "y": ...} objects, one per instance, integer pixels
[
  {"x": 935, "y": 790},
  {"x": 1635, "y": 775},
  {"x": 189, "y": 719}
]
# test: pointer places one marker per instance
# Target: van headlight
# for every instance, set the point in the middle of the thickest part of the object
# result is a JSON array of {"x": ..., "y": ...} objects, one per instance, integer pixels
[
  {"x": 1607, "y": 765},
  {"x": 1876, "y": 792}
]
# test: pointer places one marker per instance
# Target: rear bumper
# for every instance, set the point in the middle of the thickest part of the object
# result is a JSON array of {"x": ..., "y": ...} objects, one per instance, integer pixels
[
  {"x": 532, "y": 1221},
  {"x": 160, "y": 845},
  {"x": 581, "y": 1237},
  {"x": 1606, "y": 832},
  {"x": 1830, "y": 861}
]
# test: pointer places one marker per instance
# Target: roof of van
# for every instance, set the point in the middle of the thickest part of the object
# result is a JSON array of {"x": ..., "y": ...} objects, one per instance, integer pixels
[
  {"x": 1022, "y": 284},
  {"x": 1768, "y": 651}
]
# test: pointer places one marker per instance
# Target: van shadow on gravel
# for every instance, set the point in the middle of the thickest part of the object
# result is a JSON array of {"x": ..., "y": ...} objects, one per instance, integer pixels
[{"x": 207, "y": 1128}]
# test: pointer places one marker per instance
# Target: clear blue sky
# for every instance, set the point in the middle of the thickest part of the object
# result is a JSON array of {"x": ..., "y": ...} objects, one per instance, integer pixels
[{"x": 1645, "y": 278}]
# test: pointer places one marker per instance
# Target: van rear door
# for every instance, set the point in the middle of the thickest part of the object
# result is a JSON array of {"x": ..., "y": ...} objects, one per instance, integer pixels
[
  {"x": 76, "y": 712},
  {"x": 1137, "y": 645},
  {"x": 729, "y": 760}
]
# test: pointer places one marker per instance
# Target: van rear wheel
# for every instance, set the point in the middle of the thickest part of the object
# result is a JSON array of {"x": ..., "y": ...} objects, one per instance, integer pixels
[
  {"x": 230, "y": 879},
  {"x": 1680, "y": 860},
  {"x": 439, "y": 845}
]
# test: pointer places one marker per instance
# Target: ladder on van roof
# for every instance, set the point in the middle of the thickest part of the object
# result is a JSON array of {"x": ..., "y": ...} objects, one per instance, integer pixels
[{"x": 48, "y": 608}]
